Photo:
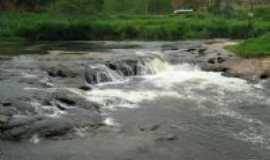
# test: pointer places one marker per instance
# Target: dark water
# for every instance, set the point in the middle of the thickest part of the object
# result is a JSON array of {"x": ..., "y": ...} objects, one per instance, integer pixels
[{"x": 179, "y": 113}]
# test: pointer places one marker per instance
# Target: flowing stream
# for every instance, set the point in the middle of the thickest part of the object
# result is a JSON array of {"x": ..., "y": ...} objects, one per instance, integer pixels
[{"x": 211, "y": 116}]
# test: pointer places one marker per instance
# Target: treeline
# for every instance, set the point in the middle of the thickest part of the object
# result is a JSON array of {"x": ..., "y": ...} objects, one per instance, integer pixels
[
  {"x": 25, "y": 5},
  {"x": 140, "y": 7},
  {"x": 90, "y": 6}
]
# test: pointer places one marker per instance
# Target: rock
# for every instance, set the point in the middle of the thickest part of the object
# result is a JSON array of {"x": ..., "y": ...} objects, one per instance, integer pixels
[
  {"x": 5, "y": 58},
  {"x": 66, "y": 100},
  {"x": 252, "y": 69},
  {"x": 220, "y": 60},
  {"x": 154, "y": 127},
  {"x": 167, "y": 137},
  {"x": 150, "y": 128},
  {"x": 125, "y": 67},
  {"x": 98, "y": 74},
  {"x": 3, "y": 119},
  {"x": 191, "y": 49},
  {"x": 202, "y": 51},
  {"x": 6, "y": 103},
  {"x": 45, "y": 127},
  {"x": 214, "y": 68},
  {"x": 170, "y": 137},
  {"x": 169, "y": 47},
  {"x": 47, "y": 115},
  {"x": 62, "y": 71},
  {"x": 74, "y": 100},
  {"x": 134, "y": 65},
  {"x": 264, "y": 76},
  {"x": 212, "y": 60},
  {"x": 24, "y": 127},
  {"x": 85, "y": 88}
]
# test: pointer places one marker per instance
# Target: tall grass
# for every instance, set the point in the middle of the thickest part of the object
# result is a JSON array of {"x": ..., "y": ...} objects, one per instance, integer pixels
[
  {"x": 45, "y": 26},
  {"x": 254, "y": 47}
]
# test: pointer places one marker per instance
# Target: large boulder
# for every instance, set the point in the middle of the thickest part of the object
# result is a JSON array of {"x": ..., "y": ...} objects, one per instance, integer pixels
[
  {"x": 24, "y": 127},
  {"x": 47, "y": 115}
]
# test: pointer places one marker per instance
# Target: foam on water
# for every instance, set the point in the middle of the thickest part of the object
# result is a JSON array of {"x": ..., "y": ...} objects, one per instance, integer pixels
[
  {"x": 183, "y": 81},
  {"x": 187, "y": 72},
  {"x": 49, "y": 111},
  {"x": 110, "y": 122},
  {"x": 115, "y": 98},
  {"x": 164, "y": 83},
  {"x": 35, "y": 139}
]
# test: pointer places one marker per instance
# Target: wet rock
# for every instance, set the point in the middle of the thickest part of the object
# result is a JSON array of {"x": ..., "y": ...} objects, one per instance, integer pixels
[
  {"x": 154, "y": 127},
  {"x": 212, "y": 60},
  {"x": 214, "y": 68},
  {"x": 135, "y": 65},
  {"x": 45, "y": 127},
  {"x": 98, "y": 74},
  {"x": 6, "y": 103},
  {"x": 47, "y": 115},
  {"x": 191, "y": 49},
  {"x": 3, "y": 120},
  {"x": 151, "y": 128},
  {"x": 169, "y": 47},
  {"x": 202, "y": 51},
  {"x": 66, "y": 100},
  {"x": 75, "y": 100},
  {"x": 5, "y": 58},
  {"x": 24, "y": 127},
  {"x": 63, "y": 71},
  {"x": 85, "y": 88},
  {"x": 20, "y": 105},
  {"x": 167, "y": 137},
  {"x": 125, "y": 67},
  {"x": 265, "y": 75},
  {"x": 220, "y": 60}
]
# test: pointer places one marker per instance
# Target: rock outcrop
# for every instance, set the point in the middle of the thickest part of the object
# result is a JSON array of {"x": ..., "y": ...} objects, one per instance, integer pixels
[{"x": 48, "y": 116}]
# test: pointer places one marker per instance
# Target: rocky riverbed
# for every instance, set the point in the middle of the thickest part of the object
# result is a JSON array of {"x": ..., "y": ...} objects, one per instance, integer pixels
[{"x": 133, "y": 100}]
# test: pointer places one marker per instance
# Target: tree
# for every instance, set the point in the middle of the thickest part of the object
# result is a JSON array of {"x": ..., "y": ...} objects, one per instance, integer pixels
[
  {"x": 78, "y": 6},
  {"x": 195, "y": 4},
  {"x": 30, "y": 5}
]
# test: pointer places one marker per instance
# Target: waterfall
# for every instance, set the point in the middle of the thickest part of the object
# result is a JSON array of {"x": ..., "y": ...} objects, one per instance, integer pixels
[
  {"x": 100, "y": 73},
  {"x": 155, "y": 65},
  {"x": 118, "y": 69}
]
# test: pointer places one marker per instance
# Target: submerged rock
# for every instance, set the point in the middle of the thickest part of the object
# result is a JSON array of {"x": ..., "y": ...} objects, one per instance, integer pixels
[
  {"x": 25, "y": 127},
  {"x": 85, "y": 88},
  {"x": 3, "y": 120},
  {"x": 167, "y": 137}
]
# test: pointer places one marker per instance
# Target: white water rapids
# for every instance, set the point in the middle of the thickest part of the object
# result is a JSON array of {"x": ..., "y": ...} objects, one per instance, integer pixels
[
  {"x": 213, "y": 95},
  {"x": 187, "y": 82}
]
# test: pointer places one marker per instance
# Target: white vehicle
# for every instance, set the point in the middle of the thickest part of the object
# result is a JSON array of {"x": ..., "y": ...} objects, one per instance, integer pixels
[{"x": 183, "y": 11}]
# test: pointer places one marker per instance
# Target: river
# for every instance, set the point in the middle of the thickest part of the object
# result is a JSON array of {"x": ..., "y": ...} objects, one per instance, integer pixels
[{"x": 169, "y": 109}]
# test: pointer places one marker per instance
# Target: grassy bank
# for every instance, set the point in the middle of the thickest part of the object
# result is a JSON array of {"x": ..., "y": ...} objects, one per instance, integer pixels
[
  {"x": 44, "y": 26},
  {"x": 255, "y": 47}
]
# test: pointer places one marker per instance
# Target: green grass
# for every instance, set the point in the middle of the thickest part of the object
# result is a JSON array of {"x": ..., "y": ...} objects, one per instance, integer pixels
[
  {"x": 255, "y": 47},
  {"x": 44, "y": 26}
]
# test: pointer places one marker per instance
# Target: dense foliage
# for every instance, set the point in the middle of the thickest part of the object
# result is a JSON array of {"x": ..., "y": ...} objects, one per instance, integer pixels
[
  {"x": 60, "y": 27},
  {"x": 226, "y": 7}
]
